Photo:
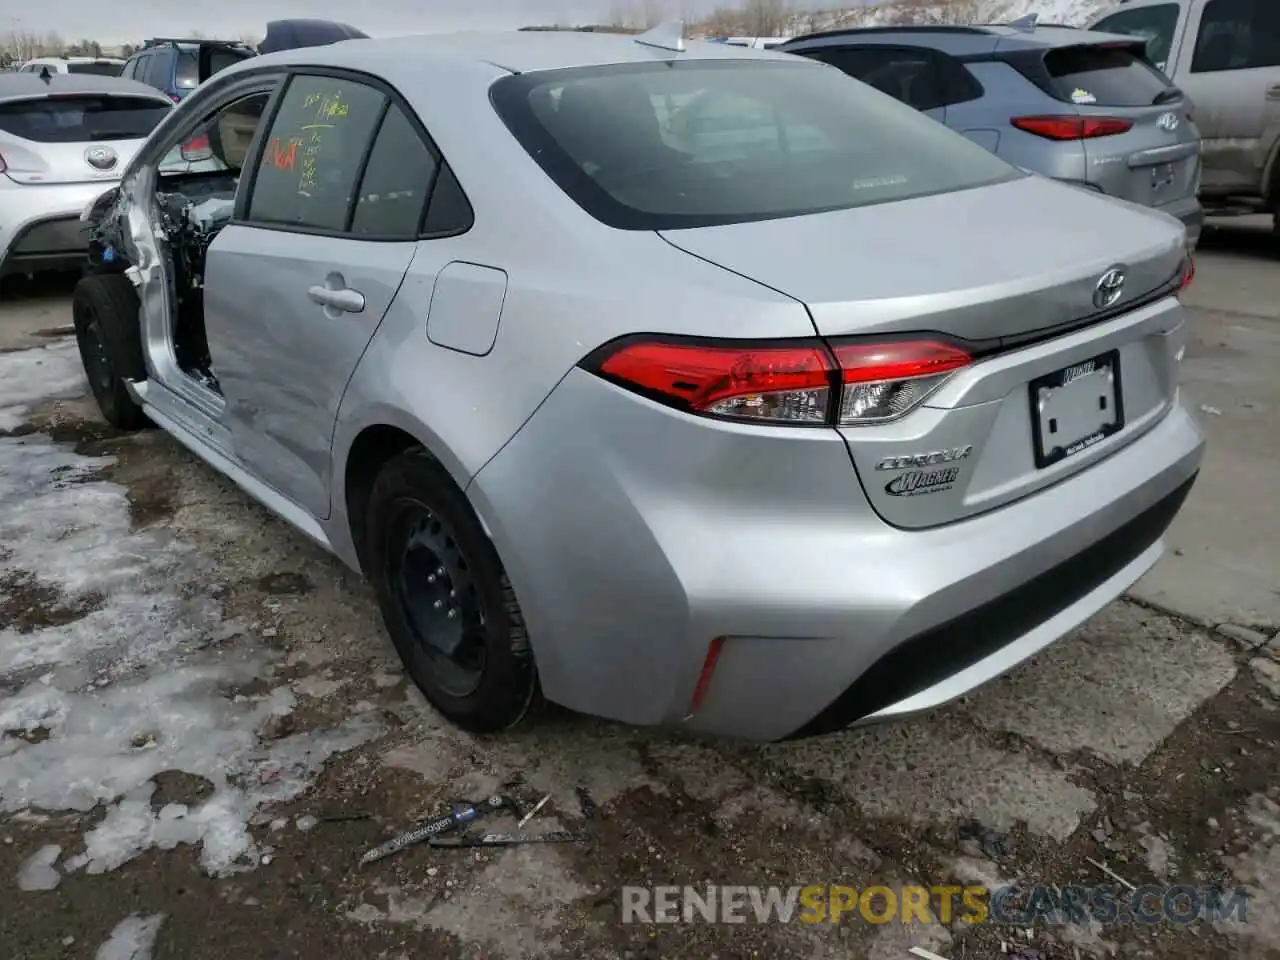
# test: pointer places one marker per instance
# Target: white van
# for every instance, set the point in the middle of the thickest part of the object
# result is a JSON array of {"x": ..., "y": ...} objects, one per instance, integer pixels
[{"x": 1225, "y": 55}]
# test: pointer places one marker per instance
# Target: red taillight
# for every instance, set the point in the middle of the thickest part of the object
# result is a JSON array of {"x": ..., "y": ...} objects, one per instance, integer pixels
[
  {"x": 1187, "y": 273},
  {"x": 175, "y": 99},
  {"x": 1072, "y": 128},
  {"x": 199, "y": 142},
  {"x": 789, "y": 383}
]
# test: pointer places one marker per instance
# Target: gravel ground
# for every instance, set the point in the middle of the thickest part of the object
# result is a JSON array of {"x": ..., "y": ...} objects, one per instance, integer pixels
[{"x": 203, "y": 727}]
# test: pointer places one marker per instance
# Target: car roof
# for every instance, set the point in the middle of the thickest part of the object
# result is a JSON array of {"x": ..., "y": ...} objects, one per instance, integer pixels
[
  {"x": 516, "y": 51},
  {"x": 16, "y": 86}
]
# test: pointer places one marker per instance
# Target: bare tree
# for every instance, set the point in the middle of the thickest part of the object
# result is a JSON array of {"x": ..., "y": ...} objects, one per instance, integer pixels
[
  {"x": 766, "y": 18},
  {"x": 52, "y": 45}
]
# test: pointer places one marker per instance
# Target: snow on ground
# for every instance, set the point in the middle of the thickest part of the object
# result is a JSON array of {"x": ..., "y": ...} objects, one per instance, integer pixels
[
  {"x": 1071, "y": 12},
  {"x": 117, "y": 666},
  {"x": 33, "y": 375},
  {"x": 133, "y": 938}
]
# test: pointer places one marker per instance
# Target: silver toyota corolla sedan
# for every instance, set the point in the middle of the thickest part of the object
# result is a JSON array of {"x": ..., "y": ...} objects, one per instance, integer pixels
[{"x": 680, "y": 383}]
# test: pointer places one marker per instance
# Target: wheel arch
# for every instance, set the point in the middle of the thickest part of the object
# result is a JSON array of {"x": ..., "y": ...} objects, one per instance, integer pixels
[{"x": 369, "y": 449}]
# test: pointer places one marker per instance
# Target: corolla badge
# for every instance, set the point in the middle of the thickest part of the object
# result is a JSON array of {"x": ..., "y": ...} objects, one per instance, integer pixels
[
  {"x": 1110, "y": 287},
  {"x": 1168, "y": 122},
  {"x": 101, "y": 158}
]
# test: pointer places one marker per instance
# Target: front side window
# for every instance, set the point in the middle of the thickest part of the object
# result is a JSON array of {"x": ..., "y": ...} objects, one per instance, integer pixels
[
  {"x": 701, "y": 142},
  {"x": 1237, "y": 35},
  {"x": 1156, "y": 25},
  {"x": 313, "y": 153},
  {"x": 221, "y": 143},
  {"x": 77, "y": 119}
]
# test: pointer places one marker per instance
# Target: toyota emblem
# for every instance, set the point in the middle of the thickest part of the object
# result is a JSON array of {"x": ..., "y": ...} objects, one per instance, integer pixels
[
  {"x": 101, "y": 158},
  {"x": 1168, "y": 122},
  {"x": 1110, "y": 287}
]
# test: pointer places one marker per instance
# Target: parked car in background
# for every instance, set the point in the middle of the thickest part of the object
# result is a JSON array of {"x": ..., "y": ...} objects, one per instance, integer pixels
[
  {"x": 63, "y": 140},
  {"x": 1226, "y": 55},
  {"x": 1081, "y": 107},
  {"x": 746, "y": 399},
  {"x": 177, "y": 66},
  {"x": 98, "y": 66}
]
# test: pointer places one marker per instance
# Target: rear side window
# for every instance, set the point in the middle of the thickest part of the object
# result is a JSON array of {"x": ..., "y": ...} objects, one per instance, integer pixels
[
  {"x": 160, "y": 70},
  {"x": 658, "y": 146},
  {"x": 1102, "y": 75},
  {"x": 1156, "y": 25},
  {"x": 81, "y": 119},
  {"x": 1237, "y": 35},
  {"x": 925, "y": 79},
  {"x": 314, "y": 151},
  {"x": 396, "y": 182},
  {"x": 97, "y": 69}
]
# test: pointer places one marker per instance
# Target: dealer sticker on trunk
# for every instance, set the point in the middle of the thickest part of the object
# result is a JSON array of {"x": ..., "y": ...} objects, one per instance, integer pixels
[{"x": 919, "y": 482}]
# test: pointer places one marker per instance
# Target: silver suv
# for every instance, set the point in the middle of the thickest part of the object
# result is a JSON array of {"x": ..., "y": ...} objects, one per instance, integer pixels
[
  {"x": 1078, "y": 106},
  {"x": 1226, "y": 55}
]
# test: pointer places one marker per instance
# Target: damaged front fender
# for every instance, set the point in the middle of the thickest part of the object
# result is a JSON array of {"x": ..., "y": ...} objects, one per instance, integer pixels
[{"x": 103, "y": 221}]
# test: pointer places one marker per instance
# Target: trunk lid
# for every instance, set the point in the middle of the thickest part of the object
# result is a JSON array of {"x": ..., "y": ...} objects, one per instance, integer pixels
[
  {"x": 1001, "y": 261},
  {"x": 1001, "y": 267}
]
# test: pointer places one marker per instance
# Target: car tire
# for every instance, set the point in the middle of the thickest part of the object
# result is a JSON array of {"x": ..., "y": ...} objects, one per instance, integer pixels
[
  {"x": 445, "y": 598},
  {"x": 108, "y": 332}
]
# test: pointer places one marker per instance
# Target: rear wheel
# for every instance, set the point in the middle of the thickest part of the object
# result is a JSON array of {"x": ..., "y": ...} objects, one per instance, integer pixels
[
  {"x": 105, "y": 311},
  {"x": 445, "y": 598}
]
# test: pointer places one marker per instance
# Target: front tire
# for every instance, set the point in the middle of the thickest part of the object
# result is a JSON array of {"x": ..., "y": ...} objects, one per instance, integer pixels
[
  {"x": 109, "y": 335},
  {"x": 446, "y": 601}
]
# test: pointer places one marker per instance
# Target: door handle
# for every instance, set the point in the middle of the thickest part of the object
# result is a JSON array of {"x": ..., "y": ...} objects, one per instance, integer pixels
[{"x": 344, "y": 299}]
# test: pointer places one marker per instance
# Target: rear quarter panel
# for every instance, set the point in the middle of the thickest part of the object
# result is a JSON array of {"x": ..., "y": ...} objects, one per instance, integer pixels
[
  {"x": 573, "y": 284},
  {"x": 1009, "y": 95}
]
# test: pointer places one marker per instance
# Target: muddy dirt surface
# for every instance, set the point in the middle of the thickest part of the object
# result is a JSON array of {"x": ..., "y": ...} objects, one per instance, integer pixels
[{"x": 203, "y": 726}]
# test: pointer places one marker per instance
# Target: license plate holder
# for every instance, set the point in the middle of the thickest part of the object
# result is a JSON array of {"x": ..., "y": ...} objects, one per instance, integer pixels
[
  {"x": 1162, "y": 175},
  {"x": 1076, "y": 407}
]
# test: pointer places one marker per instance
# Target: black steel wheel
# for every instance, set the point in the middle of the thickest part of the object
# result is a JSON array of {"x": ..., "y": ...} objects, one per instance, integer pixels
[
  {"x": 104, "y": 309},
  {"x": 445, "y": 598}
]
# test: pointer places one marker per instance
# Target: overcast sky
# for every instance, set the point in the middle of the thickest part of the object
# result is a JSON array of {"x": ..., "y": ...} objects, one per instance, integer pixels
[{"x": 118, "y": 21}]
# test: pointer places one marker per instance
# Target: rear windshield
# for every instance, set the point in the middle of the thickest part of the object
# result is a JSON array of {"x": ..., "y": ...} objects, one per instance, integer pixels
[
  {"x": 75, "y": 119},
  {"x": 101, "y": 68},
  {"x": 1107, "y": 76},
  {"x": 658, "y": 146}
]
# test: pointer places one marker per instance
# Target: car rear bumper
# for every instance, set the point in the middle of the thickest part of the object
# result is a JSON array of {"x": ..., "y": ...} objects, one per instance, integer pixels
[
  {"x": 1191, "y": 213},
  {"x": 634, "y": 535},
  {"x": 40, "y": 225}
]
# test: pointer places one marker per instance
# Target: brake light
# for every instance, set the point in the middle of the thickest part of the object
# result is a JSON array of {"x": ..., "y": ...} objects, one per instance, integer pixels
[
  {"x": 1072, "y": 128},
  {"x": 795, "y": 383},
  {"x": 199, "y": 142}
]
